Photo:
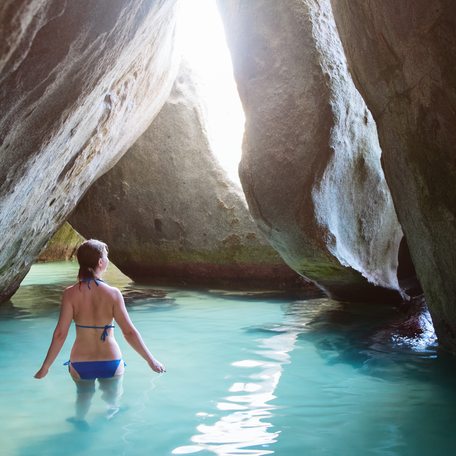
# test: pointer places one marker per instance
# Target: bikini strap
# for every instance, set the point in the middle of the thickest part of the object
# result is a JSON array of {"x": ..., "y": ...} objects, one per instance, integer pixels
[
  {"x": 87, "y": 281},
  {"x": 105, "y": 328},
  {"x": 104, "y": 334}
]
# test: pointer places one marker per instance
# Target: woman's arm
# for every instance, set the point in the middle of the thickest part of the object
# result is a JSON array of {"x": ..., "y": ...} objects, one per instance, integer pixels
[
  {"x": 132, "y": 335},
  {"x": 59, "y": 336}
]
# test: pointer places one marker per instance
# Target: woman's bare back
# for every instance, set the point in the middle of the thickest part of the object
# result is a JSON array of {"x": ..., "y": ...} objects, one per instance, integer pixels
[{"x": 93, "y": 306}]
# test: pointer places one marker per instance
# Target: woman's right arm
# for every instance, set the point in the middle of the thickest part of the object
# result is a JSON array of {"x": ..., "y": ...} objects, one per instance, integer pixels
[
  {"x": 59, "y": 336},
  {"x": 132, "y": 335}
]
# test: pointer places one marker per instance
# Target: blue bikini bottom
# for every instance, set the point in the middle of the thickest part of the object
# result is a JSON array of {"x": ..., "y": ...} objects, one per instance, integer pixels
[{"x": 89, "y": 370}]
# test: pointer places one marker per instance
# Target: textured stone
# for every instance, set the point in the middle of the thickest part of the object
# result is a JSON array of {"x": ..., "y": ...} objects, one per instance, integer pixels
[
  {"x": 79, "y": 82},
  {"x": 62, "y": 246},
  {"x": 402, "y": 56},
  {"x": 169, "y": 213},
  {"x": 311, "y": 167}
]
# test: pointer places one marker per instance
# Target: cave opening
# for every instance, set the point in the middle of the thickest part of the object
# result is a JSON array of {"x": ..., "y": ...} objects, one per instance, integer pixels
[{"x": 201, "y": 37}]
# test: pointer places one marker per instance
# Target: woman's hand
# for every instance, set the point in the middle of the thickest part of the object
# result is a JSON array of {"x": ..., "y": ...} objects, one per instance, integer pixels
[
  {"x": 42, "y": 372},
  {"x": 157, "y": 366}
]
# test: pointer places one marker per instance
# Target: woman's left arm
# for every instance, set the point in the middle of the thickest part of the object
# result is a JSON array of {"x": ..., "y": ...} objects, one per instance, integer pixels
[{"x": 59, "y": 336}]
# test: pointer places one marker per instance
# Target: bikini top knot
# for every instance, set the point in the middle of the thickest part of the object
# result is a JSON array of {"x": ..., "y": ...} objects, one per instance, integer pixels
[
  {"x": 88, "y": 280},
  {"x": 105, "y": 328}
]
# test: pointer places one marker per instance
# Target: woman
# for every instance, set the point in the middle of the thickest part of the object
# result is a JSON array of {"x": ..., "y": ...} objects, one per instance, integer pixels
[{"x": 93, "y": 305}]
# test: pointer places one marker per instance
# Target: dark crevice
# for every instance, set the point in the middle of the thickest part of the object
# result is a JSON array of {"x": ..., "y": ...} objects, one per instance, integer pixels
[{"x": 406, "y": 274}]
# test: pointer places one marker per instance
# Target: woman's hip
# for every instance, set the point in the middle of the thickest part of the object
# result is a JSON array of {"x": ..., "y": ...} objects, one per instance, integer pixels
[{"x": 93, "y": 369}]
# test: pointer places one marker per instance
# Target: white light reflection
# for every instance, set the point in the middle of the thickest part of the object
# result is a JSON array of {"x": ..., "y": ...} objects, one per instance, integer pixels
[{"x": 247, "y": 426}]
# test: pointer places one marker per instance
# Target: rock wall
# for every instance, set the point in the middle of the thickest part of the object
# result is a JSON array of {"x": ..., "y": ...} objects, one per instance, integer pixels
[
  {"x": 79, "y": 82},
  {"x": 311, "y": 166},
  {"x": 62, "y": 246},
  {"x": 169, "y": 213},
  {"x": 402, "y": 56}
]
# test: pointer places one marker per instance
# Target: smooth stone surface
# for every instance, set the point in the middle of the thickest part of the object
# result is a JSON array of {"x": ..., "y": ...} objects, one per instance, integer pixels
[
  {"x": 402, "y": 56},
  {"x": 79, "y": 82},
  {"x": 311, "y": 167},
  {"x": 169, "y": 213}
]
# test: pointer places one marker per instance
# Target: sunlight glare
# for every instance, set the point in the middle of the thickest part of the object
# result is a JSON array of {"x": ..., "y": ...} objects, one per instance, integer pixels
[{"x": 204, "y": 47}]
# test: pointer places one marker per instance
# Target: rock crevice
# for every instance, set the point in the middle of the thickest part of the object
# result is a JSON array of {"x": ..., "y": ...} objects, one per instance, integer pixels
[{"x": 402, "y": 56}]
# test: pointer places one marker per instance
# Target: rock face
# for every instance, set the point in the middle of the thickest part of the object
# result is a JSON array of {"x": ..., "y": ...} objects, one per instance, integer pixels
[
  {"x": 63, "y": 245},
  {"x": 169, "y": 213},
  {"x": 311, "y": 167},
  {"x": 79, "y": 82},
  {"x": 402, "y": 56}
]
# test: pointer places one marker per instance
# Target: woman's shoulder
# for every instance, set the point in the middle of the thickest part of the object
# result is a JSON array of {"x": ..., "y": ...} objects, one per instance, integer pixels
[
  {"x": 69, "y": 293},
  {"x": 106, "y": 289},
  {"x": 71, "y": 289},
  {"x": 110, "y": 289}
]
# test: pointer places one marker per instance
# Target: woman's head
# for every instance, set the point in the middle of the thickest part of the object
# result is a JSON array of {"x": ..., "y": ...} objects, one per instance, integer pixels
[{"x": 89, "y": 255}]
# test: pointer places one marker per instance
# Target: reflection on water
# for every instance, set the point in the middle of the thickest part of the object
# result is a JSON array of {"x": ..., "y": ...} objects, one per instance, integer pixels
[
  {"x": 376, "y": 384},
  {"x": 35, "y": 300},
  {"x": 143, "y": 299},
  {"x": 246, "y": 375},
  {"x": 41, "y": 291},
  {"x": 353, "y": 333},
  {"x": 245, "y": 429},
  {"x": 360, "y": 336}
]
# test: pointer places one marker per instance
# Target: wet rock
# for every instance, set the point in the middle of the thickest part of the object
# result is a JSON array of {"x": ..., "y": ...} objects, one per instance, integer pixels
[
  {"x": 402, "y": 56},
  {"x": 132, "y": 295},
  {"x": 79, "y": 82},
  {"x": 311, "y": 167},
  {"x": 170, "y": 214}
]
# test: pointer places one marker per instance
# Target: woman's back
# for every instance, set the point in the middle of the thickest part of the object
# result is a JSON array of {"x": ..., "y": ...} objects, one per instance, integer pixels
[{"x": 93, "y": 305}]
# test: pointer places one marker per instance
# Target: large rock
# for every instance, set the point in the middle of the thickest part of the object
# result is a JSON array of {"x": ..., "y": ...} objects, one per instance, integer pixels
[
  {"x": 311, "y": 167},
  {"x": 79, "y": 82},
  {"x": 402, "y": 56},
  {"x": 169, "y": 213},
  {"x": 63, "y": 245}
]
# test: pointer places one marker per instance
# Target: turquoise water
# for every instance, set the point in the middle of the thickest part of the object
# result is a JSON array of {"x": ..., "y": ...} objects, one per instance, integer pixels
[{"x": 247, "y": 375}]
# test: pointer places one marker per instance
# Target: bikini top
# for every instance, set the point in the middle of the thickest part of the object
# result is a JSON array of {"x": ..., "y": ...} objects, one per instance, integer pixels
[{"x": 105, "y": 328}]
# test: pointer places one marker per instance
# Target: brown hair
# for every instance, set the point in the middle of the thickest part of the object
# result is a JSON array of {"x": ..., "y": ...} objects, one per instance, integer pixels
[{"x": 88, "y": 254}]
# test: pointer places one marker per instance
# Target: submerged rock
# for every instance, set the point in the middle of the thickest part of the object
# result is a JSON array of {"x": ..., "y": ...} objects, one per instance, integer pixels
[
  {"x": 311, "y": 167},
  {"x": 403, "y": 56},
  {"x": 79, "y": 82},
  {"x": 169, "y": 213}
]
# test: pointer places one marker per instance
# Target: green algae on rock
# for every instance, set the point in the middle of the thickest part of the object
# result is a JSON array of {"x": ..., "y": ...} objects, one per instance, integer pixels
[{"x": 62, "y": 246}]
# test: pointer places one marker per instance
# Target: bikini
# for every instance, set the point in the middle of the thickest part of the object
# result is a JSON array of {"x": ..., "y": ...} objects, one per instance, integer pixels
[{"x": 90, "y": 370}]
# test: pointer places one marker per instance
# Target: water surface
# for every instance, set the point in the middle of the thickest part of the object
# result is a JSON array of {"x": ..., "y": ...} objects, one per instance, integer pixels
[{"x": 247, "y": 374}]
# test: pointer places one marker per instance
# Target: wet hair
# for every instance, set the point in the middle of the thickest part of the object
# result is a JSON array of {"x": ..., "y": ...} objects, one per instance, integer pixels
[{"x": 88, "y": 254}]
